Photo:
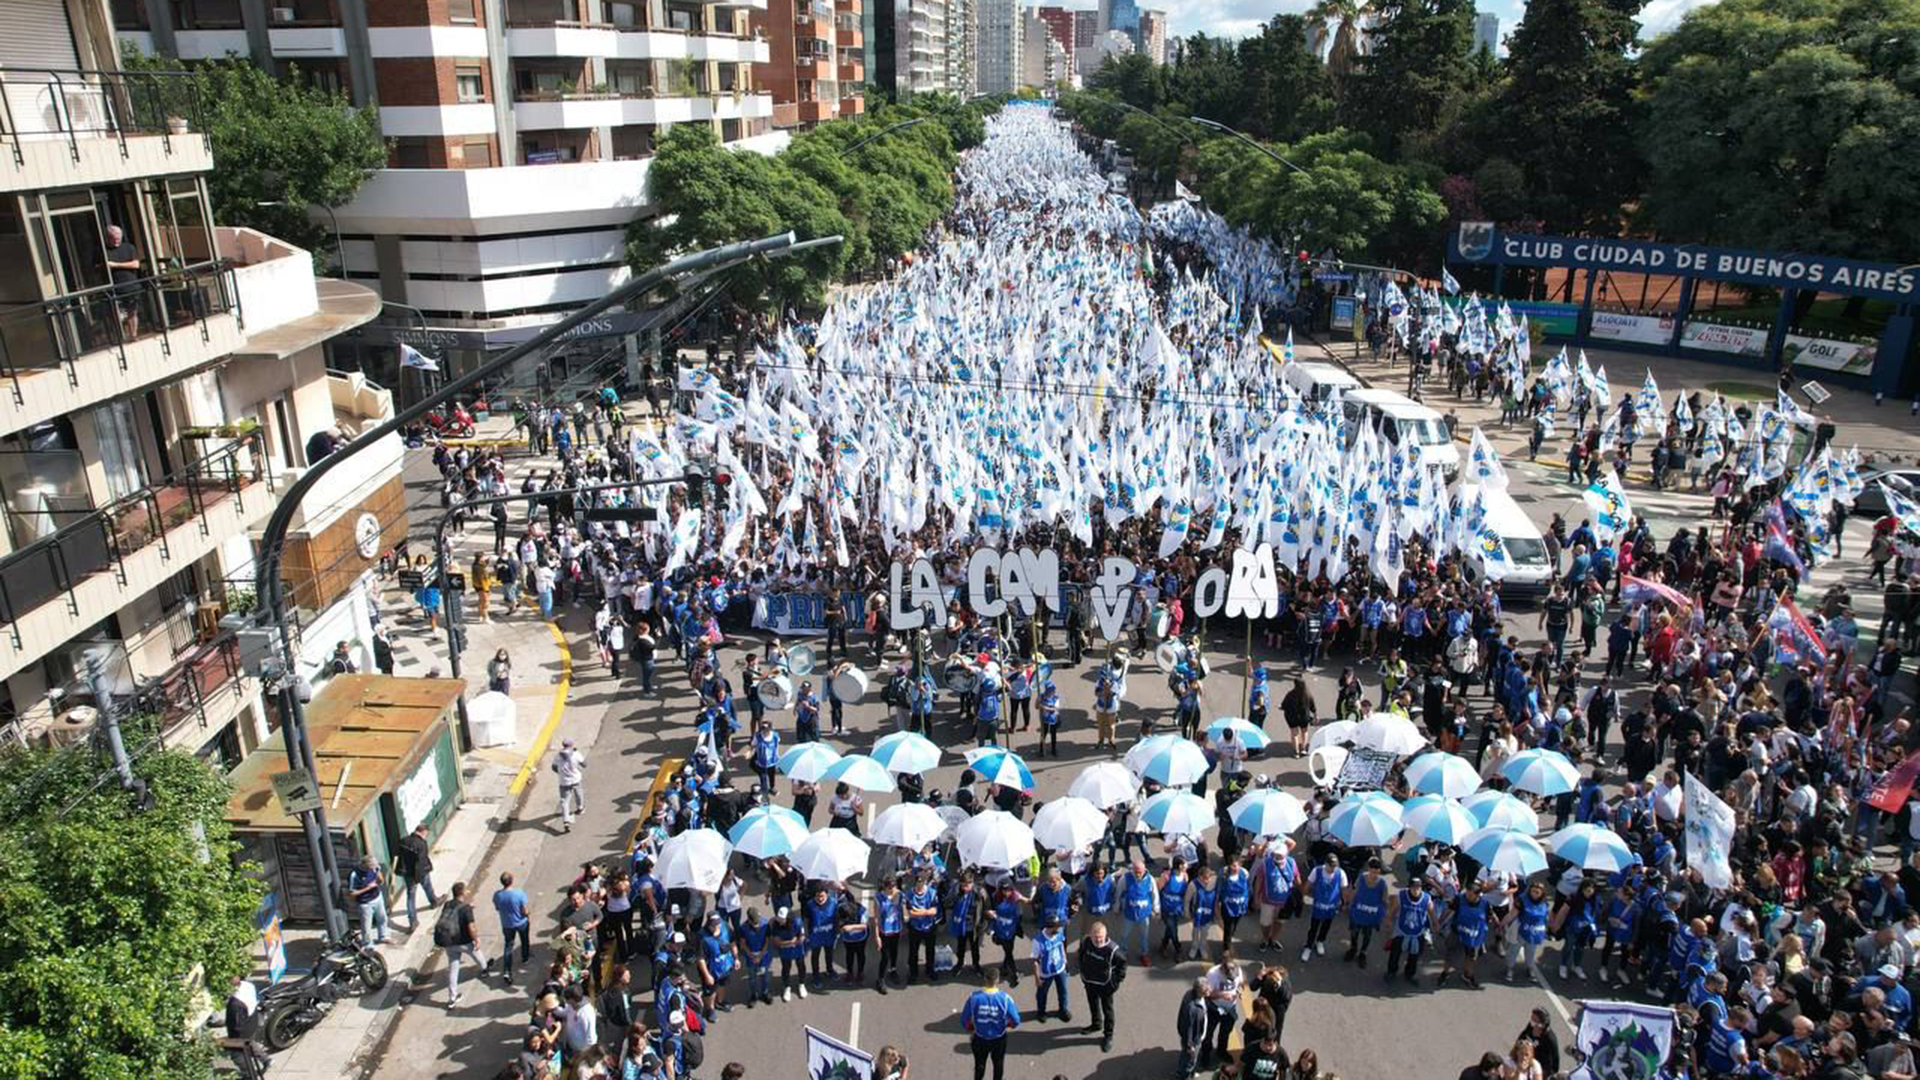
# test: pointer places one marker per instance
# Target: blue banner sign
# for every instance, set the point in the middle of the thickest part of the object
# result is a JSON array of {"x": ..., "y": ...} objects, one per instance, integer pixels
[{"x": 1476, "y": 244}]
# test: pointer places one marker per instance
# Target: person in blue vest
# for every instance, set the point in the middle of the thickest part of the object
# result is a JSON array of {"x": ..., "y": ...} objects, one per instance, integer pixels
[
  {"x": 1530, "y": 914},
  {"x": 1278, "y": 875},
  {"x": 806, "y": 715},
  {"x": 1206, "y": 907},
  {"x": 716, "y": 965},
  {"x": 1472, "y": 916},
  {"x": 766, "y": 754},
  {"x": 1186, "y": 710},
  {"x": 790, "y": 940},
  {"x": 890, "y": 920},
  {"x": 1366, "y": 910},
  {"x": 1411, "y": 915},
  {"x": 1621, "y": 924},
  {"x": 1725, "y": 1049},
  {"x": 1257, "y": 699},
  {"x": 923, "y": 921},
  {"x": 1236, "y": 896},
  {"x": 855, "y": 929},
  {"x": 1049, "y": 719},
  {"x": 1096, "y": 894},
  {"x": 1326, "y": 891},
  {"x": 989, "y": 1014},
  {"x": 1005, "y": 923},
  {"x": 1139, "y": 900},
  {"x": 963, "y": 920},
  {"x": 1050, "y": 968},
  {"x": 1174, "y": 886},
  {"x": 820, "y": 911},
  {"x": 756, "y": 950},
  {"x": 1019, "y": 697},
  {"x": 1052, "y": 897},
  {"x": 1578, "y": 922},
  {"x": 986, "y": 718}
]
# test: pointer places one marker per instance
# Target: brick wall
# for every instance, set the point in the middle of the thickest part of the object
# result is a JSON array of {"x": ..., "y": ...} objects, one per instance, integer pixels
[
  {"x": 415, "y": 80},
  {"x": 421, "y": 13}
]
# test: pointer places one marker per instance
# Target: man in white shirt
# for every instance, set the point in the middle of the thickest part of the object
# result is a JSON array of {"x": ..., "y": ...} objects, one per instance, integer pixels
[
  {"x": 570, "y": 765},
  {"x": 581, "y": 1023}
]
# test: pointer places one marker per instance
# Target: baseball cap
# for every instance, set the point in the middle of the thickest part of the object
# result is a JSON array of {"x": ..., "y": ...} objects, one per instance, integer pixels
[
  {"x": 1053, "y": 920},
  {"x": 679, "y": 938},
  {"x": 1890, "y": 971},
  {"x": 781, "y": 913}
]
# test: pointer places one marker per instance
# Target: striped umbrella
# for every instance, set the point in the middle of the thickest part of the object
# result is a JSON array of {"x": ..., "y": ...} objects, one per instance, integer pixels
[
  {"x": 1438, "y": 773},
  {"x": 1500, "y": 810},
  {"x": 1437, "y": 818},
  {"x": 1543, "y": 772},
  {"x": 1267, "y": 813},
  {"x": 860, "y": 771},
  {"x": 906, "y": 752},
  {"x": 765, "y": 832},
  {"x": 1507, "y": 851},
  {"x": 1105, "y": 785},
  {"x": 998, "y": 765},
  {"x": 1177, "y": 813},
  {"x": 1168, "y": 760},
  {"x": 808, "y": 761},
  {"x": 1368, "y": 819},
  {"x": 1591, "y": 847},
  {"x": 1248, "y": 736}
]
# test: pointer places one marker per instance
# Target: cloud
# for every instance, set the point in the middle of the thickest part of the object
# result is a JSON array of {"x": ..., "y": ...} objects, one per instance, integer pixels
[{"x": 1660, "y": 16}]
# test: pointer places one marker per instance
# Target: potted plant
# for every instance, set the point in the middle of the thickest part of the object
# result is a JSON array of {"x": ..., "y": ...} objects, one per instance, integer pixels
[{"x": 177, "y": 125}]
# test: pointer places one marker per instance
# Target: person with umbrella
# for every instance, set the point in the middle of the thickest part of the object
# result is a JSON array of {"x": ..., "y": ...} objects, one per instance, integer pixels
[
  {"x": 1412, "y": 914},
  {"x": 1471, "y": 919}
]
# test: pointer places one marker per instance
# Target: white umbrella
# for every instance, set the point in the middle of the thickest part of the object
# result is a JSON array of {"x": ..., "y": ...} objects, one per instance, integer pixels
[
  {"x": 1265, "y": 812},
  {"x": 1105, "y": 785},
  {"x": 695, "y": 859},
  {"x": 996, "y": 840},
  {"x": 830, "y": 855},
  {"x": 1069, "y": 824},
  {"x": 1436, "y": 773},
  {"x": 1389, "y": 733},
  {"x": 907, "y": 752},
  {"x": 1338, "y": 731},
  {"x": 953, "y": 817},
  {"x": 908, "y": 825},
  {"x": 1177, "y": 813},
  {"x": 860, "y": 771}
]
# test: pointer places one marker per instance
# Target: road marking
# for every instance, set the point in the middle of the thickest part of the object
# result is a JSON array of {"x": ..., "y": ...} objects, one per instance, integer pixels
[
  {"x": 853, "y": 1027},
  {"x": 668, "y": 770},
  {"x": 552, "y": 725},
  {"x": 1559, "y": 1006}
]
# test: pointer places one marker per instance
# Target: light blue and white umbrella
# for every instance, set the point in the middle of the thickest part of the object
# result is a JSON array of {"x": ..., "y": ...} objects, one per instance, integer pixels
[
  {"x": 1267, "y": 813},
  {"x": 1438, "y": 773},
  {"x": 808, "y": 761},
  {"x": 1243, "y": 730},
  {"x": 1506, "y": 851},
  {"x": 1437, "y": 818},
  {"x": 908, "y": 825},
  {"x": 906, "y": 752},
  {"x": 1543, "y": 772},
  {"x": 765, "y": 832},
  {"x": 1368, "y": 819},
  {"x": 1177, "y": 813},
  {"x": 1591, "y": 847},
  {"x": 998, "y": 765},
  {"x": 1168, "y": 760},
  {"x": 861, "y": 771},
  {"x": 1497, "y": 809}
]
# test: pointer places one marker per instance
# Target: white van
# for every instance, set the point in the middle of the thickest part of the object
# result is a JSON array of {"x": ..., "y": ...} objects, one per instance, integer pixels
[
  {"x": 1532, "y": 573},
  {"x": 1401, "y": 421},
  {"x": 1317, "y": 382}
]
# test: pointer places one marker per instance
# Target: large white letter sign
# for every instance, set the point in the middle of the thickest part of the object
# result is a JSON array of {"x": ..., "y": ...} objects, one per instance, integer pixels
[
  {"x": 1111, "y": 594},
  {"x": 1210, "y": 592},
  {"x": 1039, "y": 573},
  {"x": 924, "y": 596},
  {"x": 899, "y": 616},
  {"x": 979, "y": 597},
  {"x": 1255, "y": 592}
]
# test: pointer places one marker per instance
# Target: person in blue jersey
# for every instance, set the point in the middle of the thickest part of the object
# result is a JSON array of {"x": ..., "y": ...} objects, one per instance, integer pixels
[
  {"x": 1725, "y": 1050},
  {"x": 855, "y": 930},
  {"x": 1005, "y": 922},
  {"x": 989, "y": 1014},
  {"x": 1139, "y": 901},
  {"x": 1530, "y": 914},
  {"x": 1050, "y": 969},
  {"x": 923, "y": 923},
  {"x": 987, "y": 712},
  {"x": 1411, "y": 916},
  {"x": 1277, "y": 875},
  {"x": 1257, "y": 699},
  {"x": 1326, "y": 891},
  {"x": 765, "y": 750},
  {"x": 790, "y": 940},
  {"x": 806, "y": 715},
  {"x": 1049, "y": 719},
  {"x": 1174, "y": 885},
  {"x": 1620, "y": 924},
  {"x": 890, "y": 921},
  {"x": 1236, "y": 897},
  {"x": 1052, "y": 897},
  {"x": 1578, "y": 923},
  {"x": 1206, "y": 908},
  {"x": 1020, "y": 679},
  {"x": 1097, "y": 894},
  {"x": 964, "y": 916},
  {"x": 819, "y": 913},
  {"x": 756, "y": 951},
  {"x": 717, "y": 958},
  {"x": 1366, "y": 910},
  {"x": 1472, "y": 919}
]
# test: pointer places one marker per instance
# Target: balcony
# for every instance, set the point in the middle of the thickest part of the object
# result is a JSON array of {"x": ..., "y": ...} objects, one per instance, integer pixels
[
  {"x": 852, "y": 73},
  {"x": 62, "y": 128},
  {"x": 853, "y": 105},
  {"x": 304, "y": 42},
  {"x": 727, "y": 49},
  {"x": 558, "y": 38},
  {"x": 813, "y": 67},
  {"x": 849, "y": 37},
  {"x": 597, "y": 110},
  {"x": 812, "y": 112},
  {"x": 61, "y": 355},
  {"x": 75, "y": 567}
]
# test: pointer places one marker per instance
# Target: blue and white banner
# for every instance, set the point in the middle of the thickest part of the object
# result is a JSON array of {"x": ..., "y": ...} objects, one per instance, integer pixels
[
  {"x": 1619, "y": 1040},
  {"x": 830, "y": 1059}
]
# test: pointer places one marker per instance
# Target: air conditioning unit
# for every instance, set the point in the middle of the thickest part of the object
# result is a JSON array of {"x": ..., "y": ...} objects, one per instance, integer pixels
[{"x": 283, "y": 15}]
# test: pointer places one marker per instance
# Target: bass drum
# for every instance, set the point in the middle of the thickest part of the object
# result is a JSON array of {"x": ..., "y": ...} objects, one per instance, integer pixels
[
  {"x": 850, "y": 685},
  {"x": 1325, "y": 763},
  {"x": 960, "y": 677},
  {"x": 1169, "y": 654},
  {"x": 777, "y": 693},
  {"x": 800, "y": 661}
]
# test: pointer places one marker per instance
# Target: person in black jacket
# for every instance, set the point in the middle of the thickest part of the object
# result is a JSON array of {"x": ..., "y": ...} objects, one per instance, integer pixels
[
  {"x": 1102, "y": 969},
  {"x": 413, "y": 861},
  {"x": 1191, "y": 1025},
  {"x": 1546, "y": 1045}
]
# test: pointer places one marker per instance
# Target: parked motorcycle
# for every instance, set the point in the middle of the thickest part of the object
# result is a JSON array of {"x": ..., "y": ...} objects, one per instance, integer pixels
[
  {"x": 292, "y": 1007},
  {"x": 455, "y": 425}
]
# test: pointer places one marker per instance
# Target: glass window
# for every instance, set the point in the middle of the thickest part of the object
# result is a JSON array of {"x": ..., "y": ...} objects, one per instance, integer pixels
[
  {"x": 477, "y": 152},
  {"x": 462, "y": 11},
  {"x": 410, "y": 152},
  {"x": 469, "y": 82},
  {"x": 1526, "y": 551}
]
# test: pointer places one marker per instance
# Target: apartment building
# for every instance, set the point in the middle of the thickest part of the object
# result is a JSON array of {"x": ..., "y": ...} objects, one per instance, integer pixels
[
  {"x": 816, "y": 67},
  {"x": 522, "y": 132},
  {"x": 164, "y": 377},
  {"x": 1153, "y": 35},
  {"x": 1001, "y": 36},
  {"x": 962, "y": 48},
  {"x": 1121, "y": 15},
  {"x": 1059, "y": 22},
  {"x": 909, "y": 41},
  {"x": 1086, "y": 28},
  {"x": 1045, "y": 63}
]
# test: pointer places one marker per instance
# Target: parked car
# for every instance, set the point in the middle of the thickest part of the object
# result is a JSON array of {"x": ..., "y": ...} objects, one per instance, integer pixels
[{"x": 1872, "y": 502}]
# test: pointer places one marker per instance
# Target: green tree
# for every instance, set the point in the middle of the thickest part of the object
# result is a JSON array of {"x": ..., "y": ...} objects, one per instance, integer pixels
[
  {"x": 1342, "y": 20},
  {"x": 1286, "y": 93},
  {"x": 1566, "y": 113},
  {"x": 1787, "y": 125},
  {"x": 119, "y": 920},
  {"x": 1133, "y": 78},
  {"x": 1415, "y": 78},
  {"x": 283, "y": 141}
]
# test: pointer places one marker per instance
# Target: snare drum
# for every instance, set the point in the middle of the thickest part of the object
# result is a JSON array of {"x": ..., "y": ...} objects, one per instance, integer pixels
[
  {"x": 777, "y": 692},
  {"x": 1160, "y": 621},
  {"x": 850, "y": 685}
]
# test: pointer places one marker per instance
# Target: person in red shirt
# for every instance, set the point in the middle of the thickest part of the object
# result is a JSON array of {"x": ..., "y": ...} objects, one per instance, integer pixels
[{"x": 1660, "y": 649}]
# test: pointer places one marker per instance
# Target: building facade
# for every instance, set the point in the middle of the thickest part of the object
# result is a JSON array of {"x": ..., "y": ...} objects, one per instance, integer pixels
[
  {"x": 1086, "y": 28},
  {"x": 1121, "y": 15},
  {"x": 1486, "y": 32},
  {"x": 816, "y": 62},
  {"x": 1059, "y": 22},
  {"x": 1110, "y": 43},
  {"x": 961, "y": 49},
  {"x": 1153, "y": 35},
  {"x": 521, "y": 134},
  {"x": 168, "y": 378},
  {"x": 1001, "y": 34},
  {"x": 1045, "y": 63}
]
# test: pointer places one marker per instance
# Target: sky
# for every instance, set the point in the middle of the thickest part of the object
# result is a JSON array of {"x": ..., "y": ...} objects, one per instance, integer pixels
[{"x": 1237, "y": 18}]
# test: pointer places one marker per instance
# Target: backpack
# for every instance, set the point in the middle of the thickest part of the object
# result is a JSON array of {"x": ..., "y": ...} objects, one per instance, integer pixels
[
  {"x": 693, "y": 1050},
  {"x": 446, "y": 929},
  {"x": 897, "y": 693}
]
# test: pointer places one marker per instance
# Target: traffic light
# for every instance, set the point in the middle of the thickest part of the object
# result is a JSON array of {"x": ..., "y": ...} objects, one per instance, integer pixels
[{"x": 696, "y": 476}]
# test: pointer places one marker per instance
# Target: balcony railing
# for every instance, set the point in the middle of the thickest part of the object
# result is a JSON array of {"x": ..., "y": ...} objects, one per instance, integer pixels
[
  {"x": 74, "y": 104},
  {"x": 54, "y": 333},
  {"x": 74, "y": 545},
  {"x": 189, "y": 689}
]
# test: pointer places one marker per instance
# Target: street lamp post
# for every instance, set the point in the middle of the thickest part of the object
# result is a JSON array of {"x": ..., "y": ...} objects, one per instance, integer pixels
[
  {"x": 902, "y": 125},
  {"x": 271, "y": 589},
  {"x": 1215, "y": 125},
  {"x": 339, "y": 245}
]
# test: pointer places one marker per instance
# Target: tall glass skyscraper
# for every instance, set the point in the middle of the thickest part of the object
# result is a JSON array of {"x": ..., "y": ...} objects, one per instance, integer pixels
[{"x": 1121, "y": 15}]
